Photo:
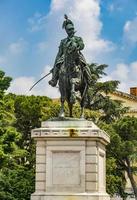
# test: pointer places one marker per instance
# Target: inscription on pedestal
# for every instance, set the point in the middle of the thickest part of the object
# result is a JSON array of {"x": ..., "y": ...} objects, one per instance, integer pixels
[{"x": 66, "y": 168}]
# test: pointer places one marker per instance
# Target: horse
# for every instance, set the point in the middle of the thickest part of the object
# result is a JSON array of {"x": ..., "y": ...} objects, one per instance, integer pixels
[{"x": 72, "y": 87}]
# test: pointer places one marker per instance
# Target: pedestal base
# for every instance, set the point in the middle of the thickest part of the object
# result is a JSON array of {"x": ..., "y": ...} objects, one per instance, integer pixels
[
  {"x": 71, "y": 196},
  {"x": 70, "y": 161}
]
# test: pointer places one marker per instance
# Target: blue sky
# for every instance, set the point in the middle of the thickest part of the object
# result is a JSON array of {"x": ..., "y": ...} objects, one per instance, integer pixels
[{"x": 30, "y": 33}]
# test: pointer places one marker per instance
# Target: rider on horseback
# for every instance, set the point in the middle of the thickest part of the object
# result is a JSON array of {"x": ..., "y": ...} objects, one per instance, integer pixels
[{"x": 70, "y": 56}]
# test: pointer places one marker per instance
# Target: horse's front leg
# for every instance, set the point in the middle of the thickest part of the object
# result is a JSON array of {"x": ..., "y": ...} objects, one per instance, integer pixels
[{"x": 62, "y": 111}]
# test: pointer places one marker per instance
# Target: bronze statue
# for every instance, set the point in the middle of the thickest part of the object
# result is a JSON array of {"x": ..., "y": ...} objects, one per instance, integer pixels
[{"x": 70, "y": 69}]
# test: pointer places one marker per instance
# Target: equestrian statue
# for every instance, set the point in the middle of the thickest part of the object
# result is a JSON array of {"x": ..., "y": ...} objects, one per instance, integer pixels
[{"x": 70, "y": 70}]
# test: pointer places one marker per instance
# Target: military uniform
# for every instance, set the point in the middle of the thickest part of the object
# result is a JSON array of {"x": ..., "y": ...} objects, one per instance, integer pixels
[{"x": 70, "y": 57}]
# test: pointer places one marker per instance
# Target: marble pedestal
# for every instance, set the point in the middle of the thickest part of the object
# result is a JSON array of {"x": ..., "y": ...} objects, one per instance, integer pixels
[{"x": 70, "y": 161}]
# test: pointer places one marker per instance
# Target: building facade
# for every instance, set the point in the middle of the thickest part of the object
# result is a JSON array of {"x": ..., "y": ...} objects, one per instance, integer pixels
[{"x": 128, "y": 100}]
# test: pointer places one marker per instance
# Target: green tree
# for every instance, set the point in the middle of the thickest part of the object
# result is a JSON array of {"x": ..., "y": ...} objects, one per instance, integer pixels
[
  {"x": 10, "y": 152},
  {"x": 111, "y": 110},
  {"x": 9, "y": 137},
  {"x": 115, "y": 175},
  {"x": 29, "y": 112},
  {"x": 126, "y": 150},
  {"x": 115, "y": 178},
  {"x": 123, "y": 149},
  {"x": 98, "y": 95},
  {"x": 16, "y": 181}
]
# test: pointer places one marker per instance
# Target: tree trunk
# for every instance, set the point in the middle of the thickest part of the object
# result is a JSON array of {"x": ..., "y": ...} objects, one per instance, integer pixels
[{"x": 130, "y": 175}]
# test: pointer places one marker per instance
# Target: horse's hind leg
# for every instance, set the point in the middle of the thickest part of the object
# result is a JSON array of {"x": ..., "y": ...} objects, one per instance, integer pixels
[
  {"x": 82, "y": 109},
  {"x": 82, "y": 113},
  {"x": 70, "y": 105}
]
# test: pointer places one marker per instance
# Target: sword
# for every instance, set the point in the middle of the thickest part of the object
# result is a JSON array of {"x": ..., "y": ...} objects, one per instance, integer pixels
[{"x": 40, "y": 80}]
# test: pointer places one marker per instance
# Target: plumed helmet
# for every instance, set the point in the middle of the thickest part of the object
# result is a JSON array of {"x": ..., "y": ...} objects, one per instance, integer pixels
[{"x": 67, "y": 24}]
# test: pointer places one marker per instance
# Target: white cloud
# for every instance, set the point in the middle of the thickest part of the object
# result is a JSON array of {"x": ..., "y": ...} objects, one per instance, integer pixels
[
  {"x": 21, "y": 85},
  {"x": 116, "y": 6},
  {"x": 121, "y": 72},
  {"x": 37, "y": 22},
  {"x": 130, "y": 30},
  {"x": 111, "y": 7},
  {"x": 17, "y": 47},
  {"x": 126, "y": 74},
  {"x": 42, "y": 46},
  {"x": 86, "y": 17},
  {"x": 14, "y": 55},
  {"x": 133, "y": 71},
  {"x": 58, "y": 4},
  {"x": 129, "y": 40},
  {"x": 2, "y": 59}
]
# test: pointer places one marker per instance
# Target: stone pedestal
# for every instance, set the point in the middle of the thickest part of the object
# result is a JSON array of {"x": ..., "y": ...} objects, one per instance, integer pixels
[{"x": 70, "y": 161}]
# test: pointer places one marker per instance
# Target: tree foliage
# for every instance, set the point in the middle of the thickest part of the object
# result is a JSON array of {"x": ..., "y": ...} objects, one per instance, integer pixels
[
  {"x": 16, "y": 183},
  {"x": 98, "y": 95},
  {"x": 126, "y": 151},
  {"x": 9, "y": 137},
  {"x": 123, "y": 149},
  {"x": 10, "y": 151}
]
